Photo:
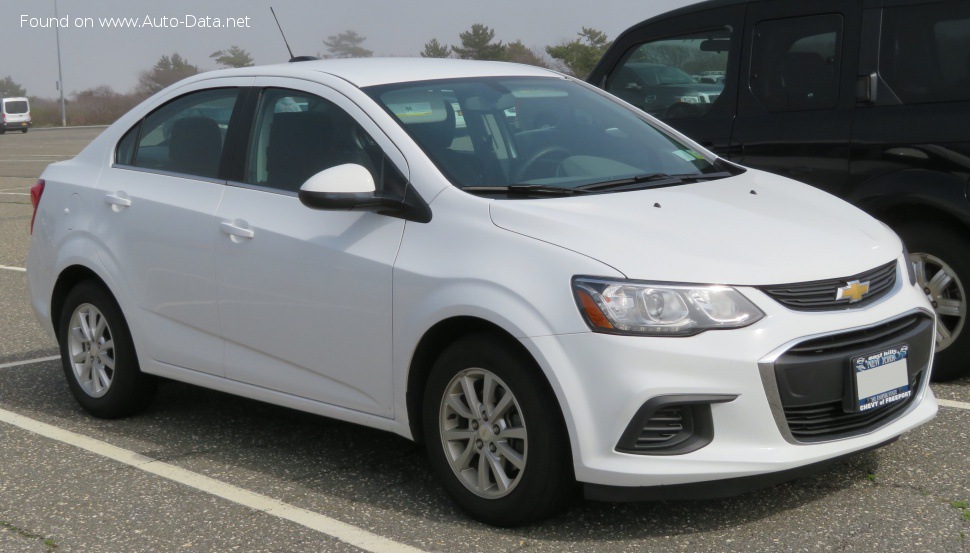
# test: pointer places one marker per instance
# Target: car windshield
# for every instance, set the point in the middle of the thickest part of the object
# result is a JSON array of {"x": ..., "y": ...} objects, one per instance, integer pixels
[{"x": 543, "y": 133}]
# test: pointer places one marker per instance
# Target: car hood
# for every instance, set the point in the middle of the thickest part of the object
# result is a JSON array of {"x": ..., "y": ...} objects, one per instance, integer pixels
[{"x": 751, "y": 229}]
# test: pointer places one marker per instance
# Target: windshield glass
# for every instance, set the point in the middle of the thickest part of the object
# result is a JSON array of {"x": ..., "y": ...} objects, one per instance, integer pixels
[
  {"x": 15, "y": 107},
  {"x": 541, "y": 132}
]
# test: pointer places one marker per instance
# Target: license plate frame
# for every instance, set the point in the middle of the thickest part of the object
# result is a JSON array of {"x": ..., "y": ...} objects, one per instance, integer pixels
[{"x": 880, "y": 378}]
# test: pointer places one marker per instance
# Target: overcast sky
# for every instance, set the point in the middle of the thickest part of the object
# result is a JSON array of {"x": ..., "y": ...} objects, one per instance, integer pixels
[{"x": 99, "y": 55}]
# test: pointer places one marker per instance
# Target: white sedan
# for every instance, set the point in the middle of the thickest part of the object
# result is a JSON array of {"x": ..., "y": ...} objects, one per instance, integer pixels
[{"x": 552, "y": 288}]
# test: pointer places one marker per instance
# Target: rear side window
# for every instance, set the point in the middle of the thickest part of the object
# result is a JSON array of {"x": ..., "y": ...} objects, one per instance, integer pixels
[
  {"x": 925, "y": 52},
  {"x": 185, "y": 136},
  {"x": 15, "y": 107},
  {"x": 796, "y": 62}
]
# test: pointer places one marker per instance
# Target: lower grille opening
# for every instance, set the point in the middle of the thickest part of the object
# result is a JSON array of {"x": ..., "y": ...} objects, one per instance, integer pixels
[{"x": 671, "y": 425}]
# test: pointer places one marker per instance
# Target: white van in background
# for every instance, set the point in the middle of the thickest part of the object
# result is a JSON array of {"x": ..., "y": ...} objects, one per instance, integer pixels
[{"x": 14, "y": 114}]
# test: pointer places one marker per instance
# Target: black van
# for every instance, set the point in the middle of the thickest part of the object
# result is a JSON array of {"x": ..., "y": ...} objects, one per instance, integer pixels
[{"x": 866, "y": 99}]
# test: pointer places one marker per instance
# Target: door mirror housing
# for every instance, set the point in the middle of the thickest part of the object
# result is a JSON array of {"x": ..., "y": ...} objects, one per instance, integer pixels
[{"x": 350, "y": 187}]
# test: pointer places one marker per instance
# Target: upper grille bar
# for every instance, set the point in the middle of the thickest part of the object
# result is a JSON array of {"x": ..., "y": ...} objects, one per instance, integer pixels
[{"x": 820, "y": 295}]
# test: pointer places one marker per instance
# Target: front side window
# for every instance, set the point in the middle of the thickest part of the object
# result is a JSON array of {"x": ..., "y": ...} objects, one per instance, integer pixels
[
  {"x": 796, "y": 63},
  {"x": 298, "y": 135},
  {"x": 675, "y": 78},
  {"x": 537, "y": 132},
  {"x": 185, "y": 136},
  {"x": 925, "y": 55}
]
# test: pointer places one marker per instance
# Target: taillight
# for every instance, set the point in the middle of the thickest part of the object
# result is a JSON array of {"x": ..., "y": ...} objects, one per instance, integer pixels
[{"x": 36, "y": 191}]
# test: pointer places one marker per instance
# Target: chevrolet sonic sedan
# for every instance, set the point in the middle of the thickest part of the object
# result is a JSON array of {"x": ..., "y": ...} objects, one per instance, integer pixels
[{"x": 554, "y": 289}]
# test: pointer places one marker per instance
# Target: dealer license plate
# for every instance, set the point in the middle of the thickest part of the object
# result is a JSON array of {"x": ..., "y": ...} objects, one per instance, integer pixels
[{"x": 881, "y": 377}]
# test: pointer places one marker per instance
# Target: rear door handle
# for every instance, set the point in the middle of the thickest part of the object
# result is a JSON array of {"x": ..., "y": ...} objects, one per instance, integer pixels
[
  {"x": 117, "y": 201},
  {"x": 233, "y": 230}
]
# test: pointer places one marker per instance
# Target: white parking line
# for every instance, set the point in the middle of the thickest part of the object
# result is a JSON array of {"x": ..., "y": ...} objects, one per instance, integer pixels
[
  {"x": 16, "y": 193},
  {"x": 951, "y": 403},
  {"x": 29, "y": 362},
  {"x": 342, "y": 531},
  {"x": 20, "y": 269}
]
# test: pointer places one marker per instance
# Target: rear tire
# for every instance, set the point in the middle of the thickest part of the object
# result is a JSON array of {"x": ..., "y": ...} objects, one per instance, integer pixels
[
  {"x": 519, "y": 474},
  {"x": 941, "y": 257},
  {"x": 23, "y": 131},
  {"x": 98, "y": 355}
]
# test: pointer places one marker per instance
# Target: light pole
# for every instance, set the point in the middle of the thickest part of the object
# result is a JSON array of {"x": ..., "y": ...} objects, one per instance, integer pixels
[{"x": 60, "y": 77}]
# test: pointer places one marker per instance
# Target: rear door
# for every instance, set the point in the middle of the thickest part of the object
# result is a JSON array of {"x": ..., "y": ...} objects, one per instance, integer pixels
[
  {"x": 682, "y": 70},
  {"x": 156, "y": 203},
  {"x": 797, "y": 97}
]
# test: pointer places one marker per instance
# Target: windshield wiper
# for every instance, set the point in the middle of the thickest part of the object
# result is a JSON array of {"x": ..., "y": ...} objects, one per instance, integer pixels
[
  {"x": 653, "y": 179},
  {"x": 525, "y": 190}
]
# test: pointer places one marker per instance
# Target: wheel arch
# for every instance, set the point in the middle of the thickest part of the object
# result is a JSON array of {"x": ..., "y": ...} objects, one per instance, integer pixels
[
  {"x": 70, "y": 277},
  {"x": 435, "y": 340}
]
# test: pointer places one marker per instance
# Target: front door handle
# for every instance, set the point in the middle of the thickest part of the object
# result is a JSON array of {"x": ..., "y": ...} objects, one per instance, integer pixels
[
  {"x": 117, "y": 201},
  {"x": 236, "y": 231}
]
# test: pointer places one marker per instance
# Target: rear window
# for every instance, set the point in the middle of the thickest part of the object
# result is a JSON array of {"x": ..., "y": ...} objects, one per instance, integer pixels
[
  {"x": 925, "y": 54},
  {"x": 15, "y": 107}
]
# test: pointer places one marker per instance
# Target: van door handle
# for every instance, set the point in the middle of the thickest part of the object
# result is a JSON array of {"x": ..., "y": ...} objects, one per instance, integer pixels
[
  {"x": 117, "y": 201},
  {"x": 233, "y": 230}
]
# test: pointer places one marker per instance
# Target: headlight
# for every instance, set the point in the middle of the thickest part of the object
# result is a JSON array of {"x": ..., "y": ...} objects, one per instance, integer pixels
[{"x": 660, "y": 309}]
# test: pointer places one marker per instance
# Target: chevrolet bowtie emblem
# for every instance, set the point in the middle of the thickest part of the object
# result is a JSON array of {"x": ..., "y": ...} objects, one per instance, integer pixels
[{"x": 852, "y": 291}]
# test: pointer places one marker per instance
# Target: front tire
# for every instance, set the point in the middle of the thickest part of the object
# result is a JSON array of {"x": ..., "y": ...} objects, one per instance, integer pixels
[
  {"x": 98, "y": 355},
  {"x": 941, "y": 259},
  {"x": 494, "y": 433}
]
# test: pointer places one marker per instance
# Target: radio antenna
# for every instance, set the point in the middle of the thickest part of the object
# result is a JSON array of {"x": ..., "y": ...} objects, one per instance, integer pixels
[{"x": 272, "y": 11}]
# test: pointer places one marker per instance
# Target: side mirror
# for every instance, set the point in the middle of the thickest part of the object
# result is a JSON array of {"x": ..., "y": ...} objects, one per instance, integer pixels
[{"x": 350, "y": 187}]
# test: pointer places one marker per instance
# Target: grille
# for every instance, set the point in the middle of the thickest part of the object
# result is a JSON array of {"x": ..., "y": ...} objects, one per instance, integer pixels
[
  {"x": 820, "y": 295},
  {"x": 828, "y": 421},
  {"x": 664, "y": 428},
  {"x": 858, "y": 339}
]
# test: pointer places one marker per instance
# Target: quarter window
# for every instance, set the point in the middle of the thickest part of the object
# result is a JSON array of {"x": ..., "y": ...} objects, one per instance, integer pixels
[
  {"x": 925, "y": 55},
  {"x": 795, "y": 65},
  {"x": 185, "y": 136}
]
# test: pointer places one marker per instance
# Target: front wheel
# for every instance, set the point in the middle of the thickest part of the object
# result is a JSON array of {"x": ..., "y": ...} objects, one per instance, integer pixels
[
  {"x": 98, "y": 355},
  {"x": 941, "y": 259},
  {"x": 495, "y": 435}
]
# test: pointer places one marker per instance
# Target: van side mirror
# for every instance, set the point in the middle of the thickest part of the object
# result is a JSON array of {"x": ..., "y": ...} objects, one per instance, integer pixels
[{"x": 350, "y": 187}]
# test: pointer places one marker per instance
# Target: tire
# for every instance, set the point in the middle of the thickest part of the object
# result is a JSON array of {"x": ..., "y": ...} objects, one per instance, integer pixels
[
  {"x": 941, "y": 257},
  {"x": 2, "y": 130},
  {"x": 23, "y": 131},
  {"x": 103, "y": 390},
  {"x": 527, "y": 465}
]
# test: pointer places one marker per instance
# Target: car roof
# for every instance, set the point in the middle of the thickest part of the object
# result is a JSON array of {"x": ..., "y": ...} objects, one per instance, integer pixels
[{"x": 363, "y": 72}]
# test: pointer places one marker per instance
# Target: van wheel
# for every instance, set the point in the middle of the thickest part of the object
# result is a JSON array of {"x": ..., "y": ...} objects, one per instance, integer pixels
[
  {"x": 23, "y": 131},
  {"x": 494, "y": 434},
  {"x": 98, "y": 355},
  {"x": 941, "y": 259},
  {"x": 2, "y": 130}
]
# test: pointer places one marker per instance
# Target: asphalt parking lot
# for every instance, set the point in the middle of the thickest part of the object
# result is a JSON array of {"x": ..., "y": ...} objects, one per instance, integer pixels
[{"x": 204, "y": 471}]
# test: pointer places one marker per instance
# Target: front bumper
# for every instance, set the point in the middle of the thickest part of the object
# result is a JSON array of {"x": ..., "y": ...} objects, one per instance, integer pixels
[{"x": 603, "y": 381}]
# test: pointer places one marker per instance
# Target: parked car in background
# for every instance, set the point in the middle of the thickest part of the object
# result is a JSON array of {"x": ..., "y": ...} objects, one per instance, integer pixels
[
  {"x": 866, "y": 99},
  {"x": 566, "y": 291},
  {"x": 658, "y": 89},
  {"x": 14, "y": 115}
]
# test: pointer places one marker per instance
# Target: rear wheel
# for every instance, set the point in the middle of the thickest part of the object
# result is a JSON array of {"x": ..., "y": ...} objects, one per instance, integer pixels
[
  {"x": 941, "y": 259},
  {"x": 98, "y": 355},
  {"x": 494, "y": 433},
  {"x": 23, "y": 131}
]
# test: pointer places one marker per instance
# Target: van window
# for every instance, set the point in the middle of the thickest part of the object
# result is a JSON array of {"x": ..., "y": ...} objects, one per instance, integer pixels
[
  {"x": 676, "y": 77},
  {"x": 796, "y": 62},
  {"x": 15, "y": 107},
  {"x": 925, "y": 54}
]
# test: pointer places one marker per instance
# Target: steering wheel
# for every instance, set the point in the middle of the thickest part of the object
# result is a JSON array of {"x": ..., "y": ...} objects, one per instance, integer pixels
[
  {"x": 527, "y": 164},
  {"x": 681, "y": 110}
]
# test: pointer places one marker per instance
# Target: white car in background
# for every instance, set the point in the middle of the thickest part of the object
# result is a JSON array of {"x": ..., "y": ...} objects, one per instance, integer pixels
[
  {"x": 14, "y": 115},
  {"x": 573, "y": 293}
]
